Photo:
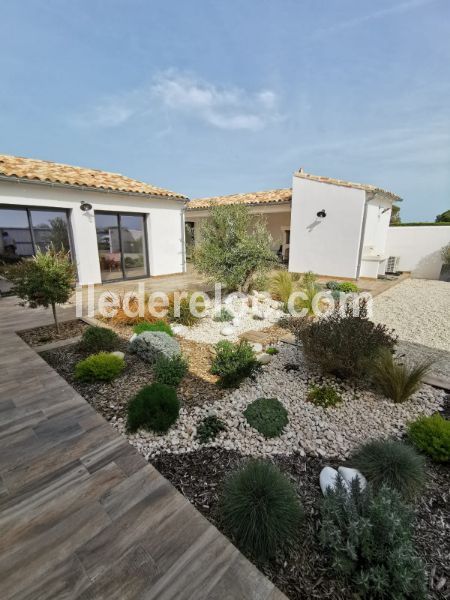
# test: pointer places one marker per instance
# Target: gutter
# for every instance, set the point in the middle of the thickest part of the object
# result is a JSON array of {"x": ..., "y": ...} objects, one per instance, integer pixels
[{"x": 85, "y": 188}]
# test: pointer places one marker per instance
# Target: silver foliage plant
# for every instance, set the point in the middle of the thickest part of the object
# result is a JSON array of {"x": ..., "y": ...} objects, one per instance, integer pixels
[{"x": 150, "y": 345}]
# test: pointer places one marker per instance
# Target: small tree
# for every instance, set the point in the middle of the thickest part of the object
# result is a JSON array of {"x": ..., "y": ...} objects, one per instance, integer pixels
[
  {"x": 443, "y": 217},
  {"x": 46, "y": 280},
  {"x": 395, "y": 215},
  {"x": 234, "y": 245}
]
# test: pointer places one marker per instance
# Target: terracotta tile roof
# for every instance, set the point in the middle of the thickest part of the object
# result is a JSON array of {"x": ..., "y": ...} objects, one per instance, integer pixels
[
  {"x": 350, "y": 184},
  {"x": 45, "y": 171},
  {"x": 266, "y": 197}
]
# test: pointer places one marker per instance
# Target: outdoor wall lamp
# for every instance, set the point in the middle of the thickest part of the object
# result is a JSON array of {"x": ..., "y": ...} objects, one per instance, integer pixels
[
  {"x": 85, "y": 206},
  {"x": 322, "y": 214}
]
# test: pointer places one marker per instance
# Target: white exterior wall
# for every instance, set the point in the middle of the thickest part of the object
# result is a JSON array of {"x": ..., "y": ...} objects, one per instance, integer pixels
[
  {"x": 419, "y": 249},
  {"x": 328, "y": 246},
  {"x": 373, "y": 256},
  {"x": 164, "y": 222}
]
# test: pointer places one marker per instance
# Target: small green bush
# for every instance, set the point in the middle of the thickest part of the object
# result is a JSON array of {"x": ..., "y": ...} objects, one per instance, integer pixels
[
  {"x": 233, "y": 362},
  {"x": 99, "y": 367},
  {"x": 185, "y": 316},
  {"x": 170, "y": 369},
  {"x": 98, "y": 339},
  {"x": 324, "y": 396},
  {"x": 432, "y": 436},
  {"x": 369, "y": 541},
  {"x": 268, "y": 416},
  {"x": 391, "y": 463},
  {"x": 272, "y": 350},
  {"x": 223, "y": 316},
  {"x": 260, "y": 509},
  {"x": 209, "y": 428},
  {"x": 347, "y": 287},
  {"x": 156, "y": 326},
  {"x": 155, "y": 407},
  {"x": 395, "y": 380},
  {"x": 342, "y": 345}
]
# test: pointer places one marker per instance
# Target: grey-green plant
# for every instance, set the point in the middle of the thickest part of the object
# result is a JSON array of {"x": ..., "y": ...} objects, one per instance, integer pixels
[
  {"x": 392, "y": 463},
  {"x": 260, "y": 509},
  {"x": 396, "y": 380},
  {"x": 150, "y": 345},
  {"x": 224, "y": 315},
  {"x": 47, "y": 279},
  {"x": 209, "y": 427},
  {"x": 368, "y": 539},
  {"x": 170, "y": 369},
  {"x": 234, "y": 245},
  {"x": 268, "y": 416}
]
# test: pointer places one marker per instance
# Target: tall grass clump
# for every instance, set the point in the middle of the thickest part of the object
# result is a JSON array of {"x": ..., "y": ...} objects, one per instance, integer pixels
[
  {"x": 260, "y": 509},
  {"x": 391, "y": 463},
  {"x": 282, "y": 285},
  {"x": 395, "y": 380}
]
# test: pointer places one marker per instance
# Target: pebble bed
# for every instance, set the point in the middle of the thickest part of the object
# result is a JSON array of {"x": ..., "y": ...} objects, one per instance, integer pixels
[
  {"x": 332, "y": 432},
  {"x": 418, "y": 310}
]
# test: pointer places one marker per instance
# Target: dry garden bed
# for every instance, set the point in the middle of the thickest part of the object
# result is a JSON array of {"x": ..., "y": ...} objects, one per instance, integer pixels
[
  {"x": 243, "y": 435},
  {"x": 40, "y": 336}
]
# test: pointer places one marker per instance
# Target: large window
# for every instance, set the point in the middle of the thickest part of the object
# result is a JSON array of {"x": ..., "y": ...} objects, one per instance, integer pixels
[
  {"x": 24, "y": 230},
  {"x": 121, "y": 245}
]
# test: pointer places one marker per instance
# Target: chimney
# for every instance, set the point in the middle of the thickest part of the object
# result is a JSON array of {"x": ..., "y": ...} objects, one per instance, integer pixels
[{"x": 301, "y": 170}]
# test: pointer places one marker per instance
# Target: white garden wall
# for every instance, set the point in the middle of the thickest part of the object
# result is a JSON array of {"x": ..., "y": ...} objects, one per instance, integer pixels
[
  {"x": 164, "y": 222},
  {"x": 418, "y": 248}
]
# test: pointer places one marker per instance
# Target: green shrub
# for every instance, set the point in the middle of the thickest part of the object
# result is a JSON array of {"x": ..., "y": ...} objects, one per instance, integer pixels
[
  {"x": 150, "y": 345},
  {"x": 155, "y": 407},
  {"x": 156, "y": 326},
  {"x": 260, "y": 282},
  {"x": 342, "y": 286},
  {"x": 233, "y": 362},
  {"x": 223, "y": 316},
  {"x": 343, "y": 345},
  {"x": 209, "y": 428},
  {"x": 369, "y": 540},
  {"x": 97, "y": 339},
  {"x": 391, "y": 463},
  {"x": 268, "y": 416},
  {"x": 395, "y": 380},
  {"x": 324, "y": 396},
  {"x": 432, "y": 436},
  {"x": 260, "y": 509},
  {"x": 184, "y": 315},
  {"x": 99, "y": 367},
  {"x": 272, "y": 351},
  {"x": 170, "y": 369}
]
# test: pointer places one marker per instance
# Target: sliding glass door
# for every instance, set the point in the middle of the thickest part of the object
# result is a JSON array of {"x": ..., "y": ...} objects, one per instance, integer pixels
[{"x": 121, "y": 245}]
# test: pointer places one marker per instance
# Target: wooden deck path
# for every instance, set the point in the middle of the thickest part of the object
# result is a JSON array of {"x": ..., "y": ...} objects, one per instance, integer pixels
[{"x": 82, "y": 514}]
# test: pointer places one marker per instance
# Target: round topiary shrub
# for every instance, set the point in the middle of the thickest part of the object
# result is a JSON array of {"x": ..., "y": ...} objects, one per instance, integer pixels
[
  {"x": 170, "y": 370},
  {"x": 233, "y": 362},
  {"x": 156, "y": 326},
  {"x": 432, "y": 436},
  {"x": 155, "y": 407},
  {"x": 268, "y": 416},
  {"x": 150, "y": 345},
  {"x": 99, "y": 367},
  {"x": 208, "y": 429},
  {"x": 98, "y": 339},
  {"x": 391, "y": 463},
  {"x": 260, "y": 509}
]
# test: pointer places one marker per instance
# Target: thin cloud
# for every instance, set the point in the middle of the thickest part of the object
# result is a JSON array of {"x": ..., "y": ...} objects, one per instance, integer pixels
[
  {"x": 228, "y": 108},
  {"x": 400, "y": 8}
]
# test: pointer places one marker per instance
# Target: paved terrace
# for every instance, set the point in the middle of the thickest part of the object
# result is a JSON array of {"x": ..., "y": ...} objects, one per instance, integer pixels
[{"x": 82, "y": 514}]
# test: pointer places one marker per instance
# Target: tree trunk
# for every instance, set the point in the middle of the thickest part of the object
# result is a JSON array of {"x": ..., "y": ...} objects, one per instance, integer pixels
[
  {"x": 247, "y": 282},
  {"x": 55, "y": 316}
]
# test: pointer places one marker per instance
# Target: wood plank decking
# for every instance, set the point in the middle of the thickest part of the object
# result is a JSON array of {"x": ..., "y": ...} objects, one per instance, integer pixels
[{"x": 82, "y": 514}]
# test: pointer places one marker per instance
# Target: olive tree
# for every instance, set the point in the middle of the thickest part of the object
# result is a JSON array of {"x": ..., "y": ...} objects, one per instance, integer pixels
[
  {"x": 234, "y": 246},
  {"x": 45, "y": 280}
]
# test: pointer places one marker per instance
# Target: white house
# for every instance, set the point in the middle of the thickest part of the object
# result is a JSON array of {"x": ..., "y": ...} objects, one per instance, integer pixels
[
  {"x": 115, "y": 227},
  {"x": 329, "y": 226}
]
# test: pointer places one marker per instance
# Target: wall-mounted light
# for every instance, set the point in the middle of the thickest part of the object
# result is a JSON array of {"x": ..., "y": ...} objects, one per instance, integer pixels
[
  {"x": 322, "y": 214},
  {"x": 85, "y": 206}
]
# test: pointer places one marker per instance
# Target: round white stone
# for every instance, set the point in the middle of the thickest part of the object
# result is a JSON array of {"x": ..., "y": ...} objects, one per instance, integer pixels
[
  {"x": 227, "y": 330},
  {"x": 349, "y": 474},
  {"x": 264, "y": 358},
  {"x": 118, "y": 353}
]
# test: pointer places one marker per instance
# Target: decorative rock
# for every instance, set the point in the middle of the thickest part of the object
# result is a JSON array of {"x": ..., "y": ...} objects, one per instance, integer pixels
[
  {"x": 134, "y": 336},
  {"x": 227, "y": 330},
  {"x": 118, "y": 353},
  {"x": 327, "y": 479},
  {"x": 236, "y": 322},
  {"x": 177, "y": 329},
  {"x": 349, "y": 474},
  {"x": 264, "y": 358},
  {"x": 257, "y": 347},
  {"x": 258, "y": 315}
]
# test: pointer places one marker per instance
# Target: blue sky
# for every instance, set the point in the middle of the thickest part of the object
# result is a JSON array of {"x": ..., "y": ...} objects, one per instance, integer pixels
[{"x": 211, "y": 97}]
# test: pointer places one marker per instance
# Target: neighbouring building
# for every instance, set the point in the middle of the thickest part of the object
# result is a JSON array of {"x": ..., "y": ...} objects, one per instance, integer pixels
[{"x": 114, "y": 227}]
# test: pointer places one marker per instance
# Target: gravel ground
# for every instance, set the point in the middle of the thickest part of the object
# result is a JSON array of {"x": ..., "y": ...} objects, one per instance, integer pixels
[
  {"x": 332, "y": 432},
  {"x": 418, "y": 309},
  {"x": 305, "y": 572},
  {"x": 47, "y": 333}
]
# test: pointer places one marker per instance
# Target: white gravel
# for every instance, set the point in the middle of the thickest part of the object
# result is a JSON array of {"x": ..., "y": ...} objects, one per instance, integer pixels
[
  {"x": 332, "y": 432},
  {"x": 418, "y": 310}
]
